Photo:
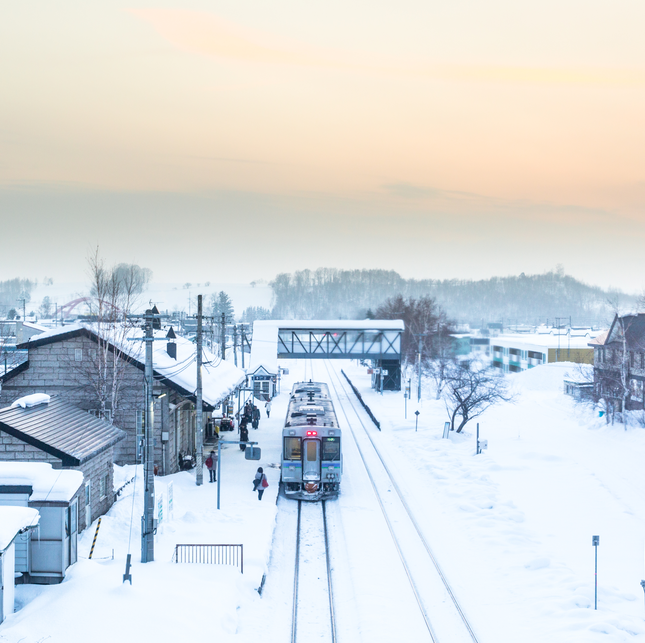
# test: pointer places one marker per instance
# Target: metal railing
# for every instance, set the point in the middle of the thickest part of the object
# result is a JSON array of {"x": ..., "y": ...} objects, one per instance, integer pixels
[{"x": 210, "y": 555}]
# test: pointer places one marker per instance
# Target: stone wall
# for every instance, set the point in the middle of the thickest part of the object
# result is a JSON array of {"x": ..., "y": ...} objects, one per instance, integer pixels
[
  {"x": 13, "y": 450},
  {"x": 69, "y": 368}
]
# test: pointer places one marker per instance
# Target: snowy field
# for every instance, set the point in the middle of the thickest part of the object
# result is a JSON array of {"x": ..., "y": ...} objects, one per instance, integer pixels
[{"x": 511, "y": 529}]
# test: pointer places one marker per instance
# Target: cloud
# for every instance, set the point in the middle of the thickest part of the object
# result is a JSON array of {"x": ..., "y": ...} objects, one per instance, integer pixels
[{"x": 207, "y": 34}]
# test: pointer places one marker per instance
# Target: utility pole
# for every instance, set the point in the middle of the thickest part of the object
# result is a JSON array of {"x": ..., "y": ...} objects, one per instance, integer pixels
[
  {"x": 242, "y": 341},
  {"x": 199, "y": 475},
  {"x": 24, "y": 307},
  {"x": 223, "y": 337},
  {"x": 235, "y": 344},
  {"x": 147, "y": 520}
]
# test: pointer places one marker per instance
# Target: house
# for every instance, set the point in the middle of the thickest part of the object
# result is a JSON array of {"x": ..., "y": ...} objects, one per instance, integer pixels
[
  {"x": 515, "y": 353},
  {"x": 619, "y": 362},
  {"x": 14, "y": 521},
  {"x": 84, "y": 365},
  {"x": 43, "y": 557},
  {"x": 41, "y": 428}
]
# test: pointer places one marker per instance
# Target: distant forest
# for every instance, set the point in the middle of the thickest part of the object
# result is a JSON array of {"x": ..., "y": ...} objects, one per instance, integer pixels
[
  {"x": 12, "y": 292},
  {"x": 329, "y": 293}
]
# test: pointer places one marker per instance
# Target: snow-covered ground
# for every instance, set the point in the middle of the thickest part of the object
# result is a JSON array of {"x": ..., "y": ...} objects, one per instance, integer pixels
[{"x": 511, "y": 529}]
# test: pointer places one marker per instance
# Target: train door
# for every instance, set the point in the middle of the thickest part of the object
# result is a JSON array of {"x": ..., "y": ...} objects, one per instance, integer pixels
[{"x": 311, "y": 460}]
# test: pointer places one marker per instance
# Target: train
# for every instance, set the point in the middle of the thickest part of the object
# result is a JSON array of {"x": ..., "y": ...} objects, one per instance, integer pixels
[{"x": 312, "y": 458}]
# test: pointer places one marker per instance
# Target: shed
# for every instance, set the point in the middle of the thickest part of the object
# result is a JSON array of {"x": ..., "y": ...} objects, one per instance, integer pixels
[
  {"x": 14, "y": 521},
  {"x": 42, "y": 428},
  {"x": 45, "y": 557}
]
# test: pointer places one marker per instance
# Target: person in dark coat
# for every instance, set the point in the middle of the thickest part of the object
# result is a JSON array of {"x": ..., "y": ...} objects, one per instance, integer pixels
[
  {"x": 259, "y": 481},
  {"x": 256, "y": 417},
  {"x": 211, "y": 465},
  {"x": 244, "y": 435}
]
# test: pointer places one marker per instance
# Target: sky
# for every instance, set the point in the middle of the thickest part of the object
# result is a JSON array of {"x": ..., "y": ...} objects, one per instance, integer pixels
[{"x": 211, "y": 140}]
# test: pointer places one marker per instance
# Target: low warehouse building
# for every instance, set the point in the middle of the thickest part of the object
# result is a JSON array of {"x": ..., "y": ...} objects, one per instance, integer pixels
[
  {"x": 43, "y": 557},
  {"x": 40, "y": 428}
]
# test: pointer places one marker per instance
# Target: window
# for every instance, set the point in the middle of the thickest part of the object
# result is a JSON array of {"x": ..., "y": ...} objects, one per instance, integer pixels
[
  {"x": 103, "y": 486},
  {"x": 312, "y": 451},
  {"x": 107, "y": 414},
  {"x": 292, "y": 448},
  {"x": 78, "y": 354},
  {"x": 331, "y": 448}
]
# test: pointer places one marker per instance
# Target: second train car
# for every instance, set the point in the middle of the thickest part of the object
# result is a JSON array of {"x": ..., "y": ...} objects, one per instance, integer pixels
[{"x": 312, "y": 458}]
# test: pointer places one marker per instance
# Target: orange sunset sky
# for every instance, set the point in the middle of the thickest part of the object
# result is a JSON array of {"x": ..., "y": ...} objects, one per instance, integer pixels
[{"x": 463, "y": 139}]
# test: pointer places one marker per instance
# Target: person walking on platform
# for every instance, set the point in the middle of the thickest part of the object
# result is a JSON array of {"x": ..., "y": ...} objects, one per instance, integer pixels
[
  {"x": 267, "y": 406},
  {"x": 260, "y": 482},
  {"x": 244, "y": 435},
  {"x": 255, "y": 422},
  {"x": 211, "y": 465}
]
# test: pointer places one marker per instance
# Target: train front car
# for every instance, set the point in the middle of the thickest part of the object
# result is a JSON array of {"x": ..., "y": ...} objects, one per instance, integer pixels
[{"x": 312, "y": 459}]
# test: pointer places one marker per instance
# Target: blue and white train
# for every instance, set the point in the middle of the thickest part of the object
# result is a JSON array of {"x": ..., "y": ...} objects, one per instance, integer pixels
[{"x": 312, "y": 458}]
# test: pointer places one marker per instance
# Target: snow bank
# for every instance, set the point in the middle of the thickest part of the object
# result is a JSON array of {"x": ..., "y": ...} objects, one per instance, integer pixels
[
  {"x": 13, "y": 520},
  {"x": 547, "y": 377}
]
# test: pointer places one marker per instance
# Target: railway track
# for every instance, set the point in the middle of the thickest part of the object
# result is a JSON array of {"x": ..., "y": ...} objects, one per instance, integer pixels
[
  {"x": 443, "y": 616},
  {"x": 313, "y": 617}
]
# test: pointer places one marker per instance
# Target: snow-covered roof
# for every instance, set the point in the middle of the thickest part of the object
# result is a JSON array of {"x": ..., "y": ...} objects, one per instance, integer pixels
[
  {"x": 48, "y": 484},
  {"x": 539, "y": 340},
  {"x": 15, "y": 520},
  {"x": 34, "y": 326},
  {"x": 332, "y": 324},
  {"x": 264, "y": 348},
  {"x": 219, "y": 377}
]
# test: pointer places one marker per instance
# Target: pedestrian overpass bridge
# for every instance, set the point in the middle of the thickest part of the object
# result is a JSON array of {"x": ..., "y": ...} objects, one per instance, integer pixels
[{"x": 378, "y": 340}]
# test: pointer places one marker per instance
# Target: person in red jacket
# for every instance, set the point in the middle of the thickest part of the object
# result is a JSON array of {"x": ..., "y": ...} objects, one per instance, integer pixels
[
  {"x": 260, "y": 482},
  {"x": 211, "y": 465}
]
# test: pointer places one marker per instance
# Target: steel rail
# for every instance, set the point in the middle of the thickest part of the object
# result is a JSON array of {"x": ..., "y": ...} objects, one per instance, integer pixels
[
  {"x": 331, "y": 594},
  {"x": 294, "y": 614},
  {"x": 410, "y": 514},
  {"x": 296, "y": 576},
  {"x": 395, "y": 540}
]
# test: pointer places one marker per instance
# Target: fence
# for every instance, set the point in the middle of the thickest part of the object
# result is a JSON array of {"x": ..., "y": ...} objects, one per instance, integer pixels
[
  {"x": 362, "y": 401},
  {"x": 210, "y": 555}
]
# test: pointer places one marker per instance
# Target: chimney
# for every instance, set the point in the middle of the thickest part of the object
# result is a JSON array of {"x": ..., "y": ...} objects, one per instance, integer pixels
[
  {"x": 156, "y": 322},
  {"x": 171, "y": 347}
]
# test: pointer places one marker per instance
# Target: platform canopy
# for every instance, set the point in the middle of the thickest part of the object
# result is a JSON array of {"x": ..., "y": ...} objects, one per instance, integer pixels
[{"x": 323, "y": 339}]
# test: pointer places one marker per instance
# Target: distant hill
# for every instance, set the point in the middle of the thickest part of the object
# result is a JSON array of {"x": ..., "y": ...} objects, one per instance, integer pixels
[{"x": 329, "y": 293}]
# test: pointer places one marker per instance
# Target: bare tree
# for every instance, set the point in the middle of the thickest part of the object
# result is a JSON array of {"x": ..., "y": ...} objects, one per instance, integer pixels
[
  {"x": 471, "y": 388},
  {"x": 114, "y": 292},
  {"x": 423, "y": 318}
]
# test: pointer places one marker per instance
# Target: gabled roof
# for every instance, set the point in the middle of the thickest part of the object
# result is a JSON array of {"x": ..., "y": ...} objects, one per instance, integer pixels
[
  {"x": 599, "y": 340},
  {"x": 219, "y": 377},
  {"x": 60, "y": 429},
  {"x": 632, "y": 327}
]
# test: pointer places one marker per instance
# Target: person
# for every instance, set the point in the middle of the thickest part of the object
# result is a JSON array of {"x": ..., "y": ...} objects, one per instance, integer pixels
[
  {"x": 255, "y": 423},
  {"x": 211, "y": 465},
  {"x": 244, "y": 435},
  {"x": 258, "y": 482},
  {"x": 267, "y": 406}
]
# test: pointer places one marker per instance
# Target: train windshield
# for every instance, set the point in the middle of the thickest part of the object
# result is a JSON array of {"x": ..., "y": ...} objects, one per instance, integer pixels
[
  {"x": 312, "y": 451},
  {"x": 292, "y": 448},
  {"x": 331, "y": 448}
]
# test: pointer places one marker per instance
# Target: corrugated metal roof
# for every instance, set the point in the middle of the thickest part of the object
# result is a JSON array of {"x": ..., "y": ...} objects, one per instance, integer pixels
[{"x": 61, "y": 429}]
